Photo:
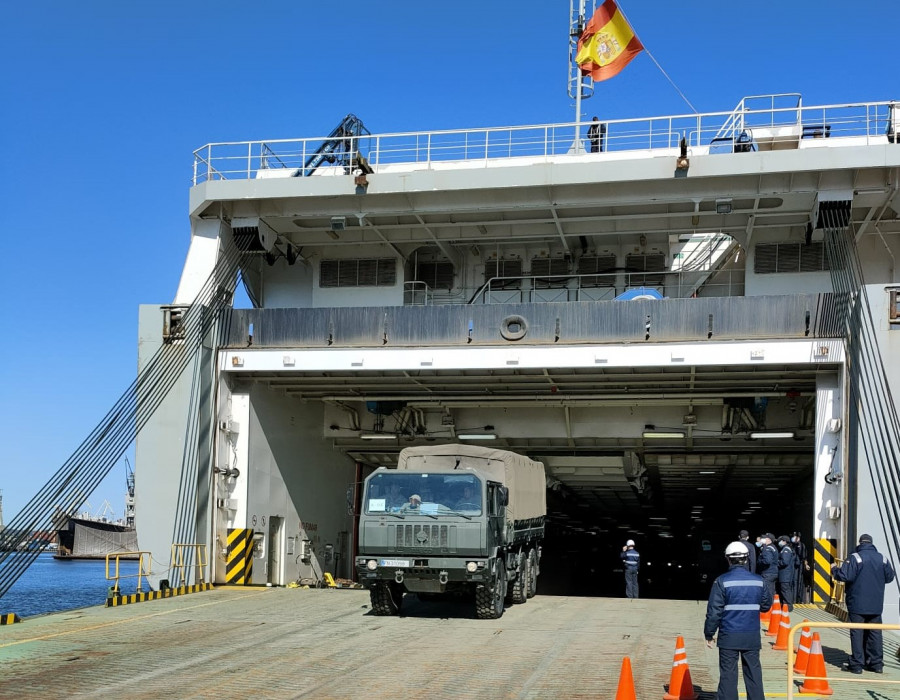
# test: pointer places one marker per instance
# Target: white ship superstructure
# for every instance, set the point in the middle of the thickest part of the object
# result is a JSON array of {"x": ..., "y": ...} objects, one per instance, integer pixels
[{"x": 691, "y": 329}]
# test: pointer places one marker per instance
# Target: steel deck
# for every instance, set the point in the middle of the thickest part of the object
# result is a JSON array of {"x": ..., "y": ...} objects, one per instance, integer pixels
[{"x": 295, "y": 643}]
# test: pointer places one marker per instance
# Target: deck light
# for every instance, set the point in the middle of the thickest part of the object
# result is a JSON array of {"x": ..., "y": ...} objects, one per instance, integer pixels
[
  {"x": 654, "y": 434},
  {"x": 377, "y": 436},
  {"x": 477, "y": 436},
  {"x": 782, "y": 435},
  {"x": 723, "y": 206}
]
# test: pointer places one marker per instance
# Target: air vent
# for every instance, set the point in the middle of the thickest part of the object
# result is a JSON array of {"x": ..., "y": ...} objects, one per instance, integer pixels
[
  {"x": 367, "y": 272},
  {"x": 772, "y": 258},
  {"x": 599, "y": 265},
  {"x": 437, "y": 275},
  {"x": 504, "y": 268},
  {"x": 637, "y": 263}
]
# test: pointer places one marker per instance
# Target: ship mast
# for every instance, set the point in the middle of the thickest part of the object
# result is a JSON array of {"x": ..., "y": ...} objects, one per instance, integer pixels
[{"x": 580, "y": 87}]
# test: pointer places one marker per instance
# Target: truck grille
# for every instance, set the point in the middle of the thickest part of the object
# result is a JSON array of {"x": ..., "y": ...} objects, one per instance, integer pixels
[{"x": 423, "y": 536}]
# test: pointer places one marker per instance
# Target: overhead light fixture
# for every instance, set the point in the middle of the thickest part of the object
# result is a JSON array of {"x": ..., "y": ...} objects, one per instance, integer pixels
[
  {"x": 723, "y": 206},
  {"x": 775, "y": 435},
  {"x": 477, "y": 436},
  {"x": 662, "y": 434},
  {"x": 338, "y": 223},
  {"x": 377, "y": 436}
]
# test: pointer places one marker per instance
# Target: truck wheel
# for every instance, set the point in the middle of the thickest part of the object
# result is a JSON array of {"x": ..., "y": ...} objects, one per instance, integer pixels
[
  {"x": 386, "y": 600},
  {"x": 519, "y": 592},
  {"x": 531, "y": 589},
  {"x": 489, "y": 600}
]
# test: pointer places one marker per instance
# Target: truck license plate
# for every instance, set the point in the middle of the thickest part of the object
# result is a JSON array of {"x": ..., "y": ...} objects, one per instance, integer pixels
[{"x": 394, "y": 562}]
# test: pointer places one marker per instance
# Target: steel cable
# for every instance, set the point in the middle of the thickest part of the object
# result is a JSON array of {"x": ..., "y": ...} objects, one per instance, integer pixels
[{"x": 80, "y": 475}]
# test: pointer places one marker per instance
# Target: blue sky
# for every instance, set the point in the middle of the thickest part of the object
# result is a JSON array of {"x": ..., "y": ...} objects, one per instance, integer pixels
[{"x": 104, "y": 102}]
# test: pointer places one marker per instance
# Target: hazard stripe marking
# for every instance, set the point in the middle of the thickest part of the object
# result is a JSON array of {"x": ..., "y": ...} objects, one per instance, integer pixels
[
  {"x": 9, "y": 619},
  {"x": 239, "y": 556},
  {"x": 116, "y": 601},
  {"x": 823, "y": 557}
]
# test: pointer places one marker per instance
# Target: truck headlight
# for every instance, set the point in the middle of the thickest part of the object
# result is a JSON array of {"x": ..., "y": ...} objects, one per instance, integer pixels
[
  {"x": 371, "y": 565},
  {"x": 471, "y": 566}
]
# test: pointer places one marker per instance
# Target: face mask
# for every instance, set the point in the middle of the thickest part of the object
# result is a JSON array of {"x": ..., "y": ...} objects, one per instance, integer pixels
[
  {"x": 795, "y": 540},
  {"x": 759, "y": 544}
]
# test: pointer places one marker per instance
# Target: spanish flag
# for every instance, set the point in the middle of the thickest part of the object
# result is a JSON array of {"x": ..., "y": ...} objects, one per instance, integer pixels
[{"x": 607, "y": 44}]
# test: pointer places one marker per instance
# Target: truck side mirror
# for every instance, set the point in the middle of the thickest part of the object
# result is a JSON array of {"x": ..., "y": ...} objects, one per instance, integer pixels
[{"x": 503, "y": 494}]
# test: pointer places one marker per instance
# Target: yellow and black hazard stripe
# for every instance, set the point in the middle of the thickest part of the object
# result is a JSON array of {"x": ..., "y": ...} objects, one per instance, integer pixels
[
  {"x": 116, "y": 600},
  {"x": 239, "y": 557},
  {"x": 823, "y": 558},
  {"x": 9, "y": 619}
]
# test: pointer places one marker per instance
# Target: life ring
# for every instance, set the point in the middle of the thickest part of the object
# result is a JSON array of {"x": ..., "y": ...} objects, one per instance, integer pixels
[{"x": 513, "y": 327}]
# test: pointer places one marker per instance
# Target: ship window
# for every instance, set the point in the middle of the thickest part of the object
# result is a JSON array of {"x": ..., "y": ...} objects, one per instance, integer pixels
[
  {"x": 437, "y": 275},
  {"x": 604, "y": 265},
  {"x": 504, "y": 268},
  {"x": 367, "y": 272},
  {"x": 771, "y": 258}
]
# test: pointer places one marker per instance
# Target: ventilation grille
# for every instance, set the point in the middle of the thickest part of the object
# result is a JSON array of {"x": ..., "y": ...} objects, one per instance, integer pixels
[
  {"x": 638, "y": 263},
  {"x": 422, "y": 536},
  {"x": 503, "y": 268},
  {"x": 367, "y": 272},
  {"x": 600, "y": 265},
  {"x": 437, "y": 275},
  {"x": 772, "y": 258}
]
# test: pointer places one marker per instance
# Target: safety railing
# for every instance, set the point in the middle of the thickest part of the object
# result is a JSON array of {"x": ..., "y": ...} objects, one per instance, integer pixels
[
  {"x": 142, "y": 572},
  {"x": 868, "y": 680},
  {"x": 531, "y": 289},
  {"x": 187, "y": 557},
  {"x": 874, "y": 121}
]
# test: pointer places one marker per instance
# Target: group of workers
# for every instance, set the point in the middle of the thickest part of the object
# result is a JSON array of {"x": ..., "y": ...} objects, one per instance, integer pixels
[
  {"x": 739, "y": 595},
  {"x": 782, "y": 563}
]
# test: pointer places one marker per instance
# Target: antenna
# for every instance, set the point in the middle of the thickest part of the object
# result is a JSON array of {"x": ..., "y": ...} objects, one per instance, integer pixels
[
  {"x": 580, "y": 87},
  {"x": 1, "y": 510}
]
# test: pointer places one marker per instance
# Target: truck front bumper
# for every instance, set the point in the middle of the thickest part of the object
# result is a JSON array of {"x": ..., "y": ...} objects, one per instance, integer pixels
[{"x": 426, "y": 575}]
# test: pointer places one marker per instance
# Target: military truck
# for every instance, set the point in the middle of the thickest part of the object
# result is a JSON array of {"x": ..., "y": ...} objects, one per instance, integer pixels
[{"x": 453, "y": 520}]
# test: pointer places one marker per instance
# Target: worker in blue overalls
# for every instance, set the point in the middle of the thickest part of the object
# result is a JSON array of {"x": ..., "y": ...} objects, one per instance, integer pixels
[
  {"x": 735, "y": 601},
  {"x": 632, "y": 561},
  {"x": 866, "y": 572},
  {"x": 767, "y": 562}
]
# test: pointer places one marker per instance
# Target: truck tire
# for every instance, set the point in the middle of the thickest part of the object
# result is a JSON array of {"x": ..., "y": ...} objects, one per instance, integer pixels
[
  {"x": 519, "y": 587},
  {"x": 531, "y": 589},
  {"x": 489, "y": 599},
  {"x": 385, "y": 599}
]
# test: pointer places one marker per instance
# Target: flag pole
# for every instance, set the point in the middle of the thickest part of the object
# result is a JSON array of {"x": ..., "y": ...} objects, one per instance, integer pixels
[{"x": 575, "y": 29}]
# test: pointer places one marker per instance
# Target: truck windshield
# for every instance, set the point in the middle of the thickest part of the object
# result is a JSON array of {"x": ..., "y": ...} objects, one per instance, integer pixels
[{"x": 412, "y": 493}]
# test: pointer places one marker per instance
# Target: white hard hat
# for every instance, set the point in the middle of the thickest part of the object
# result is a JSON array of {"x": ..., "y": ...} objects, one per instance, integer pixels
[
  {"x": 629, "y": 543},
  {"x": 736, "y": 549}
]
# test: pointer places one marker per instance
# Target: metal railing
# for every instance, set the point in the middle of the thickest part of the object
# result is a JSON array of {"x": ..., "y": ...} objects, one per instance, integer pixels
[
  {"x": 480, "y": 147},
  {"x": 187, "y": 556},
  {"x": 142, "y": 572},
  {"x": 530, "y": 289},
  {"x": 831, "y": 625}
]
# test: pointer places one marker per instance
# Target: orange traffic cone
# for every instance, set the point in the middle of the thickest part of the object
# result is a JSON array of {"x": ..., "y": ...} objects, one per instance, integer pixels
[
  {"x": 765, "y": 617},
  {"x": 681, "y": 687},
  {"x": 775, "y": 619},
  {"x": 784, "y": 630},
  {"x": 626, "y": 682},
  {"x": 816, "y": 681},
  {"x": 803, "y": 650}
]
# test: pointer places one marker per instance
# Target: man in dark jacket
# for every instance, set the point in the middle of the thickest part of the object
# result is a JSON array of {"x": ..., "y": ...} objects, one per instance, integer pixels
[
  {"x": 801, "y": 569},
  {"x": 744, "y": 539},
  {"x": 866, "y": 572},
  {"x": 735, "y": 601},
  {"x": 785, "y": 584},
  {"x": 632, "y": 562},
  {"x": 767, "y": 564}
]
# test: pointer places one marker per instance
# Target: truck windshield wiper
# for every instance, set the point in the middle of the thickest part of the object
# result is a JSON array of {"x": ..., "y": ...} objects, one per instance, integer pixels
[
  {"x": 395, "y": 515},
  {"x": 462, "y": 515}
]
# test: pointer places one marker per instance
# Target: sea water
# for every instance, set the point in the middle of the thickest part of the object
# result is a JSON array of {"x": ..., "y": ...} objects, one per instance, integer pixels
[{"x": 52, "y": 585}]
